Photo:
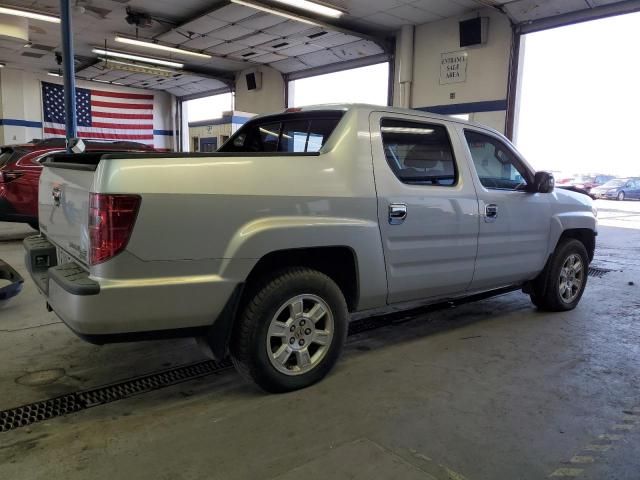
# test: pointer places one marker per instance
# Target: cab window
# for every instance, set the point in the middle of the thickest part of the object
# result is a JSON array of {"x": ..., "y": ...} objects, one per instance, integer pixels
[
  {"x": 497, "y": 166},
  {"x": 286, "y": 134},
  {"x": 419, "y": 153}
]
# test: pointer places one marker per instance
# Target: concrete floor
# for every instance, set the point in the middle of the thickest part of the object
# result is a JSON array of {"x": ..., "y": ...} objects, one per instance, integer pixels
[{"x": 492, "y": 390}]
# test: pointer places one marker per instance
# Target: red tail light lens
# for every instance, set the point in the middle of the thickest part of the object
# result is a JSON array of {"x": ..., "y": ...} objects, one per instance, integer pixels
[{"x": 111, "y": 220}]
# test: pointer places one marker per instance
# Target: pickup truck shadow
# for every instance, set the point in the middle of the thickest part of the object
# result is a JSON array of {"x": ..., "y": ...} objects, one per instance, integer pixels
[{"x": 366, "y": 335}]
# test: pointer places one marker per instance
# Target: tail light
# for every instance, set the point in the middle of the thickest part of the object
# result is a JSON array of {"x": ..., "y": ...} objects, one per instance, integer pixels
[
  {"x": 6, "y": 177},
  {"x": 111, "y": 220}
]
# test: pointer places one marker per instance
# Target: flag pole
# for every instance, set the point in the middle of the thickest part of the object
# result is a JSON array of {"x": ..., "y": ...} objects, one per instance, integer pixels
[{"x": 68, "y": 68}]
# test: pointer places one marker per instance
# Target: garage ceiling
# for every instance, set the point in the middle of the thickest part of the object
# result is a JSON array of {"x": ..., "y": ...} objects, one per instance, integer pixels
[{"x": 238, "y": 37}]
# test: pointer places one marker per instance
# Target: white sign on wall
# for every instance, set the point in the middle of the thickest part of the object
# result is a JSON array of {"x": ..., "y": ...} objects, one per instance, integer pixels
[{"x": 453, "y": 67}]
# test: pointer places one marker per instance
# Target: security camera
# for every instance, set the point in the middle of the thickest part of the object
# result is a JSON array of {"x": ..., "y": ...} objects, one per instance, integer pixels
[{"x": 76, "y": 145}]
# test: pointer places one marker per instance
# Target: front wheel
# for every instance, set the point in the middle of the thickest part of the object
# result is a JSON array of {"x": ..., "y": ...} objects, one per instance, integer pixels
[
  {"x": 291, "y": 332},
  {"x": 621, "y": 196},
  {"x": 561, "y": 285}
]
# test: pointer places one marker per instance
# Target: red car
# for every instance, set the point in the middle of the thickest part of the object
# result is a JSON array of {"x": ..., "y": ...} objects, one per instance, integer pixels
[{"x": 20, "y": 171}]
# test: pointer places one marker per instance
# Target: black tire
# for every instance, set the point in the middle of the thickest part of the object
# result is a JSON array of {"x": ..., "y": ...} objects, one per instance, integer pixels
[
  {"x": 248, "y": 345},
  {"x": 621, "y": 196},
  {"x": 545, "y": 290}
]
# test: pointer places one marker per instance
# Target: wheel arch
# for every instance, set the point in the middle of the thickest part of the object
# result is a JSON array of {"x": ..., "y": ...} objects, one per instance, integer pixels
[{"x": 338, "y": 262}]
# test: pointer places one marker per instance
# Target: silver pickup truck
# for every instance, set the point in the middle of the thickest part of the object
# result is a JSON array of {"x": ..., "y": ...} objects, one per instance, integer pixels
[{"x": 265, "y": 249}]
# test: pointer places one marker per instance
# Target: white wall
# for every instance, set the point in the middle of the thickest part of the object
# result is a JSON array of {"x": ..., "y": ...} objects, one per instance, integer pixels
[
  {"x": 487, "y": 67},
  {"x": 20, "y": 99},
  {"x": 269, "y": 99}
]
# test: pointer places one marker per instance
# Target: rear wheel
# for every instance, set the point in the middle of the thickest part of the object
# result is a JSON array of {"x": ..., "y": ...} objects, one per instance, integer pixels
[
  {"x": 621, "y": 196},
  {"x": 291, "y": 332},
  {"x": 561, "y": 285}
]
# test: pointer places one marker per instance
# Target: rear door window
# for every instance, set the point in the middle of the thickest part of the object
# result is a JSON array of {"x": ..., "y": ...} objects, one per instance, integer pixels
[{"x": 419, "y": 153}]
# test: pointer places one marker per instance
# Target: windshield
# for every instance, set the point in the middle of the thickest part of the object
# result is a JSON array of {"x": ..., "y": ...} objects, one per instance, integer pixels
[{"x": 614, "y": 183}]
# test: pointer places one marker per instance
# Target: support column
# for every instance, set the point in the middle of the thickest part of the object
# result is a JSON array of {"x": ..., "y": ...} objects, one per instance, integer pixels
[{"x": 68, "y": 68}]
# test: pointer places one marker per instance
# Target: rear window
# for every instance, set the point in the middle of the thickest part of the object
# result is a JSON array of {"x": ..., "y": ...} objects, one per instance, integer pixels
[{"x": 293, "y": 133}]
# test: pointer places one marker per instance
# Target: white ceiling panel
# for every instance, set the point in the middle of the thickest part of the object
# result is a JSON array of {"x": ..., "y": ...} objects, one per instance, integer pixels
[
  {"x": 443, "y": 8},
  {"x": 299, "y": 49},
  {"x": 172, "y": 36},
  {"x": 268, "y": 58},
  {"x": 260, "y": 22},
  {"x": 257, "y": 39},
  {"x": 231, "y": 32},
  {"x": 523, "y": 10},
  {"x": 226, "y": 64},
  {"x": 353, "y": 51},
  {"x": 317, "y": 59},
  {"x": 226, "y": 48},
  {"x": 247, "y": 54},
  {"x": 289, "y": 65},
  {"x": 385, "y": 20},
  {"x": 333, "y": 40},
  {"x": 202, "y": 43},
  {"x": 287, "y": 28},
  {"x": 234, "y": 13},
  {"x": 203, "y": 24},
  {"x": 414, "y": 15}
]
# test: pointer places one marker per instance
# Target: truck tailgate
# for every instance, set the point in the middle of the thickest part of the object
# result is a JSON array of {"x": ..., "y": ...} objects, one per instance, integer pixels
[{"x": 64, "y": 209}]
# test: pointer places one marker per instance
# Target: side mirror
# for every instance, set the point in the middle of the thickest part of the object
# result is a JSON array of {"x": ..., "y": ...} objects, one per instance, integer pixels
[{"x": 543, "y": 182}]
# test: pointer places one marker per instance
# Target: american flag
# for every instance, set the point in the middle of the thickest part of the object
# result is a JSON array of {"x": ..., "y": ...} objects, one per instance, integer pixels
[{"x": 101, "y": 115}]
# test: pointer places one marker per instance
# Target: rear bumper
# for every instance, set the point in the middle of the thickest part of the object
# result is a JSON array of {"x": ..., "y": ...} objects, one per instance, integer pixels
[{"x": 106, "y": 310}]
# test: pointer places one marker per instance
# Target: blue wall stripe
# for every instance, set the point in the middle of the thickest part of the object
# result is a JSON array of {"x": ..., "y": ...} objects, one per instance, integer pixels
[
  {"x": 19, "y": 123},
  {"x": 26, "y": 123},
  {"x": 471, "y": 107}
]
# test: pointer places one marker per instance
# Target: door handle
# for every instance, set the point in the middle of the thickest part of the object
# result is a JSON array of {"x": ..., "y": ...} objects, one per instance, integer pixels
[
  {"x": 397, "y": 213},
  {"x": 490, "y": 212}
]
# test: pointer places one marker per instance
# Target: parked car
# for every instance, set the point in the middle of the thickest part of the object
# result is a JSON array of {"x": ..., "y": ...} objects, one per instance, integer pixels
[
  {"x": 20, "y": 167},
  {"x": 587, "y": 182},
  {"x": 265, "y": 248},
  {"x": 619, "y": 189}
]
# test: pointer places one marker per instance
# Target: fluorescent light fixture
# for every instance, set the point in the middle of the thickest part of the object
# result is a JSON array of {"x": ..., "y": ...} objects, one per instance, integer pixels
[
  {"x": 54, "y": 74},
  {"x": 157, "y": 46},
  {"x": 2, "y": 65},
  {"x": 130, "y": 56},
  {"x": 314, "y": 7},
  {"x": 28, "y": 14},
  {"x": 137, "y": 68},
  {"x": 273, "y": 11},
  {"x": 141, "y": 68},
  {"x": 411, "y": 131}
]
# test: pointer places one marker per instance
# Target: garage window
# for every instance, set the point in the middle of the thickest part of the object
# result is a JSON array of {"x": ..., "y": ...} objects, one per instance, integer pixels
[
  {"x": 368, "y": 84},
  {"x": 419, "y": 153}
]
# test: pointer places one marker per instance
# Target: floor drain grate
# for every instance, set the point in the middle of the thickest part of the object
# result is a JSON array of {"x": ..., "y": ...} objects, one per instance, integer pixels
[
  {"x": 74, "y": 402},
  {"x": 598, "y": 272}
]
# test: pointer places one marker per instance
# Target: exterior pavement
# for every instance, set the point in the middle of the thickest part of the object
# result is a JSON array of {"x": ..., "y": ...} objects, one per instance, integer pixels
[{"x": 491, "y": 390}]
